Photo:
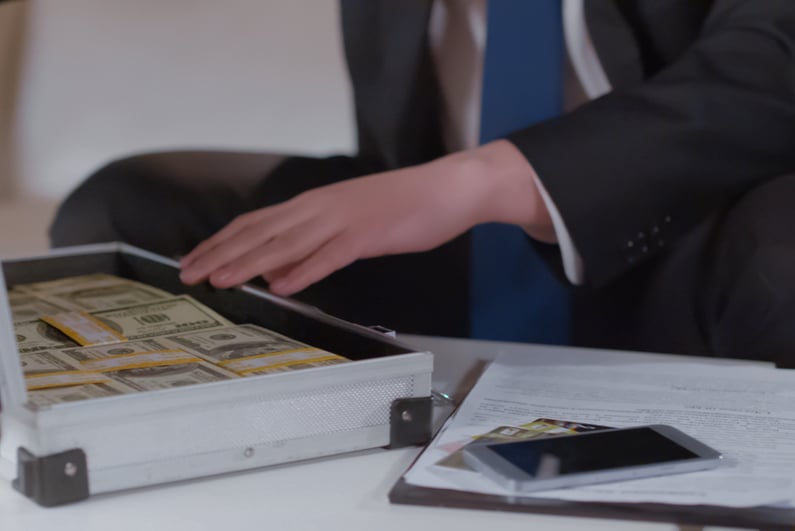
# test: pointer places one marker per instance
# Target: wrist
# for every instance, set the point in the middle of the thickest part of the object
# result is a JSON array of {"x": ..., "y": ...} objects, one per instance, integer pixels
[{"x": 507, "y": 188}]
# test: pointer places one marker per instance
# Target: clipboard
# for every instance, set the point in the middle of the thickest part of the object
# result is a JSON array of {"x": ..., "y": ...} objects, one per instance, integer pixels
[{"x": 763, "y": 518}]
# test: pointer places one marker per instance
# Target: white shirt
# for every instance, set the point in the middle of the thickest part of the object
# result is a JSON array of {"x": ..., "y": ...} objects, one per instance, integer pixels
[{"x": 457, "y": 36}]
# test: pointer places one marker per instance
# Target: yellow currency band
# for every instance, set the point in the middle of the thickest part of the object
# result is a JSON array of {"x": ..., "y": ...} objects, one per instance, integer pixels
[
  {"x": 319, "y": 359},
  {"x": 36, "y": 382},
  {"x": 267, "y": 355},
  {"x": 138, "y": 353},
  {"x": 145, "y": 364},
  {"x": 106, "y": 364},
  {"x": 73, "y": 334}
]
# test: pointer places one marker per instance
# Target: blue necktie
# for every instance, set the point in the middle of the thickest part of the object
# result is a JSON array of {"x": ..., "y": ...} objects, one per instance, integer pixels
[{"x": 514, "y": 297}]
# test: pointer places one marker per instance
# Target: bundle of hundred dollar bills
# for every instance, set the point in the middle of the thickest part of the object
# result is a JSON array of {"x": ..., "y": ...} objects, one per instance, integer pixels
[{"x": 101, "y": 335}]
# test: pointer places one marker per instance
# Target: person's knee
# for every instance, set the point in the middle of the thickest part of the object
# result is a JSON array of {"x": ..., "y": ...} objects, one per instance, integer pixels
[{"x": 90, "y": 213}]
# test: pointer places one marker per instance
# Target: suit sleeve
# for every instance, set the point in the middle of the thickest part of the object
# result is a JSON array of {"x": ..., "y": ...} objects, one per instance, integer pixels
[{"x": 634, "y": 170}]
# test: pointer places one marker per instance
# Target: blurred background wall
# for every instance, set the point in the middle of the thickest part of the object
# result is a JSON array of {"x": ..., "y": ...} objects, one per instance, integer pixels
[
  {"x": 100, "y": 79},
  {"x": 12, "y": 23}
]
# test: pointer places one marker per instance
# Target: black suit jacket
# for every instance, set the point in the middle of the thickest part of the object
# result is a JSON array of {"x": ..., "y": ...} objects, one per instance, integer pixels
[{"x": 703, "y": 108}]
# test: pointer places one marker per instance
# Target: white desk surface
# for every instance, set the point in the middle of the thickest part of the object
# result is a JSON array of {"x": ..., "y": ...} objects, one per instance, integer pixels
[{"x": 338, "y": 493}]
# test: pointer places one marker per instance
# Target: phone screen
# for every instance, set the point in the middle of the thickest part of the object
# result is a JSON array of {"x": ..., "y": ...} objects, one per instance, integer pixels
[{"x": 557, "y": 456}]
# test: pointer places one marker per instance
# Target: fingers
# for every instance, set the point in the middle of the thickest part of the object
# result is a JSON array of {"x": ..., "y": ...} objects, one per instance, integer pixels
[
  {"x": 333, "y": 255},
  {"x": 271, "y": 276},
  {"x": 274, "y": 255},
  {"x": 241, "y": 236},
  {"x": 236, "y": 225}
]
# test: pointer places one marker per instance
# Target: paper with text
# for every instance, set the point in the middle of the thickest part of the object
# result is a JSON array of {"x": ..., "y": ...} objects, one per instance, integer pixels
[{"x": 745, "y": 412}]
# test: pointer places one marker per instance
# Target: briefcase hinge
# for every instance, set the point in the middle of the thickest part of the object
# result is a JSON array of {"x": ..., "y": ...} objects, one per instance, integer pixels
[
  {"x": 410, "y": 421},
  {"x": 383, "y": 330},
  {"x": 52, "y": 480}
]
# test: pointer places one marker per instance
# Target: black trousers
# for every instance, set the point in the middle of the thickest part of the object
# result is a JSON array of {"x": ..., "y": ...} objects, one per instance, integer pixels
[{"x": 725, "y": 289}]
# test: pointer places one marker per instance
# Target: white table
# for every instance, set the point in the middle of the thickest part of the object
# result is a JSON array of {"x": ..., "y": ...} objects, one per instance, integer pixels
[{"x": 340, "y": 493}]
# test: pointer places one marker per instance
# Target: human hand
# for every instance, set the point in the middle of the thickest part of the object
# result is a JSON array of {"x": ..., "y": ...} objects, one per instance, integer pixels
[{"x": 303, "y": 240}]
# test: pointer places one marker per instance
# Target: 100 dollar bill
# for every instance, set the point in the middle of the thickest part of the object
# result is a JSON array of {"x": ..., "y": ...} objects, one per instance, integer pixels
[
  {"x": 34, "y": 336},
  {"x": 128, "y": 355},
  {"x": 59, "y": 395},
  {"x": 46, "y": 361},
  {"x": 94, "y": 292},
  {"x": 29, "y": 307},
  {"x": 172, "y": 316},
  {"x": 170, "y": 376}
]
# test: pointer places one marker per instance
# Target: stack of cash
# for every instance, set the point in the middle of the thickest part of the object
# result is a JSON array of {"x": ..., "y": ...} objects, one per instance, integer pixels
[
  {"x": 100, "y": 335},
  {"x": 250, "y": 350}
]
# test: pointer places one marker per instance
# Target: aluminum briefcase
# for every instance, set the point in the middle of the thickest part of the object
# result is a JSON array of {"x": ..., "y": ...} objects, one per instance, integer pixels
[{"x": 65, "y": 452}]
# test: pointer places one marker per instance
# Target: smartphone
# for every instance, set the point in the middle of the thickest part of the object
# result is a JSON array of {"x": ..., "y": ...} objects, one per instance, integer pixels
[{"x": 588, "y": 458}]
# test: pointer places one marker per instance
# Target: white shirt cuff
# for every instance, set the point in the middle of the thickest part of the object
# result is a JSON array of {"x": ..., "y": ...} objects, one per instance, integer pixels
[{"x": 572, "y": 262}]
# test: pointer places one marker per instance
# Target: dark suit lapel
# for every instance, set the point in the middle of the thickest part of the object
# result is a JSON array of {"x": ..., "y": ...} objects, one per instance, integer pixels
[
  {"x": 397, "y": 97},
  {"x": 615, "y": 44}
]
